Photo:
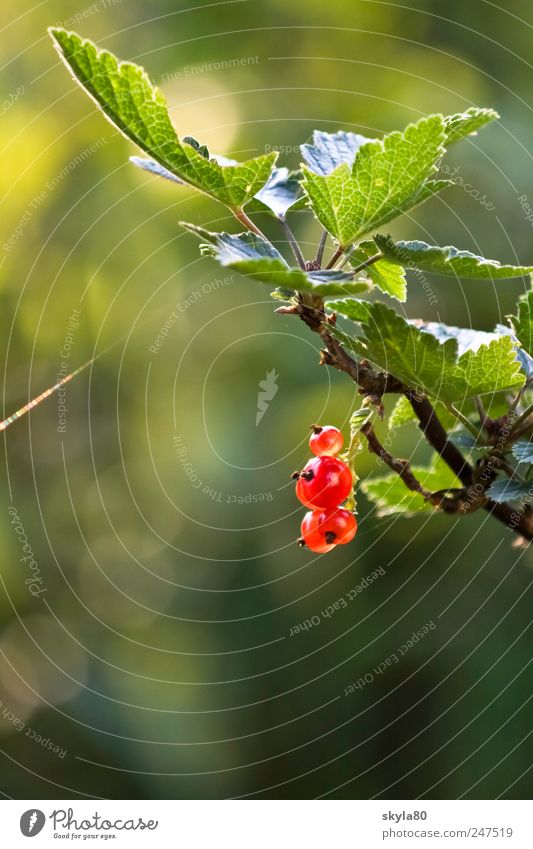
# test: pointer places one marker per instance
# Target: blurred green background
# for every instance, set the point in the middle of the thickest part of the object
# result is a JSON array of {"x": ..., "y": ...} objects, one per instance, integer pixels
[{"x": 159, "y": 660}]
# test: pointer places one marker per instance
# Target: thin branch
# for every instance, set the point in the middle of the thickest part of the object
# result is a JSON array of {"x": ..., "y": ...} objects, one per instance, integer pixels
[
  {"x": 320, "y": 250},
  {"x": 450, "y": 501},
  {"x": 522, "y": 418},
  {"x": 376, "y": 383},
  {"x": 346, "y": 259},
  {"x": 370, "y": 261},
  {"x": 462, "y": 418},
  {"x": 241, "y": 216},
  {"x": 338, "y": 253},
  {"x": 401, "y": 467},
  {"x": 520, "y": 394},
  {"x": 431, "y": 427},
  {"x": 516, "y": 434},
  {"x": 482, "y": 413},
  {"x": 372, "y": 382},
  {"x": 435, "y": 434},
  {"x": 293, "y": 243},
  {"x": 509, "y": 471}
]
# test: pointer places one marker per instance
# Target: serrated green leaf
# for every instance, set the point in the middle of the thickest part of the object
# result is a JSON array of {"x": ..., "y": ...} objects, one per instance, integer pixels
[
  {"x": 387, "y": 276},
  {"x": 523, "y": 452},
  {"x": 139, "y": 110},
  {"x": 390, "y": 494},
  {"x": 523, "y": 322},
  {"x": 418, "y": 359},
  {"x": 470, "y": 340},
  {"x": 447, "y": 260},
  {"x": 467, "y": 123},
  {"x": 491, "y": 368},
  {"x": 450, "y": 370},
  {"x": 526, "y": 360},
  {"x": 351, "y": 308},
  {"x": 255, "y": 257},
  {"x": 467, "y": 339},
  {"x": 402, "y": 413},
  {"x": 388, "y": 177},
  {"x": 505, "y": 489},
  {"x": 278, "y": 195}
]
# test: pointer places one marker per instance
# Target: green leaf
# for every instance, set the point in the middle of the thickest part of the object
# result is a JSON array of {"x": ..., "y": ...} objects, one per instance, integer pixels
[
  {"x": 359, "y": 417},
  {"x": 470, "y": 340},
  {"x": 351, "y": 308},
  {"x": 505, "y": 489},
  {"x": 526, "y": 360},
  {"x": 354, "y": 448},
  {"x": 388, "y": 177},
  {"x": 419, "y": 360},
  {"x": 450, "y": 365},
  {"x": 466, "y": 441},
  {"x": 492, "y": 368},
  {"x": 390, "y": 494},
  {"x": 329, "y": 150},
  {"x": 279, "y": 194},
  {"x": 523, "y": 452},
  {"x": 523, "y": 322},
  {"x": 467, "y": 123},
  {"x": 446, "y": 260},
  {"x": 402, "y": 413},
  {"x": 281, "y": 294},
  {"x": 387, "y": 276},
  {"x": 154, "y": 167},
  {"x": 139, "y": 110},
  {"x": 255, "y": 257},
  {"x": 467, "y": 339}
]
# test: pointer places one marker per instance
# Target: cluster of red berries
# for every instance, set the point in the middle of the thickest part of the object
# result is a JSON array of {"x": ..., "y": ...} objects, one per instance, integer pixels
[{"x": 322, "y": 486}]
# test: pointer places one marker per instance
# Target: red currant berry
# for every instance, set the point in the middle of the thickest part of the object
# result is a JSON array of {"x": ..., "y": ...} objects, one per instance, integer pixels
[
  {"x": 325, "y": 440},
  {"x": 311, "y": 537},
  {"x": 324, "y": 483},
  {"x": 332, "y": 527}
]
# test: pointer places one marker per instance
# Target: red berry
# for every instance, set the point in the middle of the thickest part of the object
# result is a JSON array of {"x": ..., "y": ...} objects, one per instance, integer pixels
[
  {"x": 325, "y": 440},
  {"x": 311, "y": 537},
  {"x": 324, "y": 483},
  {"x": 332, "y": 527}
]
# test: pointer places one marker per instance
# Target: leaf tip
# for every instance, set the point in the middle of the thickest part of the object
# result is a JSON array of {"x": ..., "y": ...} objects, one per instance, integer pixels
[{"x": 59, "y": 36}]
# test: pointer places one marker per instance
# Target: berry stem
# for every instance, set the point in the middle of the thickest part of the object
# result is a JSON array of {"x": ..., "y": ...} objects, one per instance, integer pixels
[
  {"x": 291, "y": 239},
  {"x": 338, "y": 253},
  {"x": 401, "y": 467},
  {"x": 241, "y": 216},
  {"x": 320, "y": 250},
  {"x": 370, "y": 261}
]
